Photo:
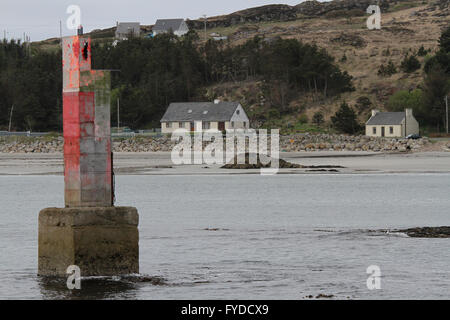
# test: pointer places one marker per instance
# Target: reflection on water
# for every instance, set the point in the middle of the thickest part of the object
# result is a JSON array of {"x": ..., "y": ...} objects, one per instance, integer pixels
[{"x": 94, "y": 288}]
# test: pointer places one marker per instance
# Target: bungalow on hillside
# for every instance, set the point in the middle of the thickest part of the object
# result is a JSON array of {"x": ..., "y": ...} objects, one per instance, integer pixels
[
  {"x": 200, "y": 116},
  {"x": 126, "y": 29},
  {"x": 179, "y": 27},
  {"x": 392, "y": 124}
]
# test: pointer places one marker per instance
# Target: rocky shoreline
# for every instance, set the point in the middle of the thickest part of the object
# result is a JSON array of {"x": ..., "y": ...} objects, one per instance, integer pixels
[{"x": 291, "y": 143}]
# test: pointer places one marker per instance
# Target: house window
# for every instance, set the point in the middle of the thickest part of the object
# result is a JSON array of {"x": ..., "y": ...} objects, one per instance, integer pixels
[
  {"x": 180, "y": 125},
  {"x": 232, "y": 124},
  {"x": 245, "y": 124},
  {"x": 206, "y": 125},
  {"x": 168, "y": 124},
  {"x": 391, "y": 130},
  {"x": 238, "y": 111},
  {"x": 374, "y": 130}
]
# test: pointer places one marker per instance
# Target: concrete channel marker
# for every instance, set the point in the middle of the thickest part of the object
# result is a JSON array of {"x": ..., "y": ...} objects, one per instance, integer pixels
[{"x": 90, "y": 232}]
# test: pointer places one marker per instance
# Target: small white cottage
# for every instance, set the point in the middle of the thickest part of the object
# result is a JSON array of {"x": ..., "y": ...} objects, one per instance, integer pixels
[
  {"x": 392, "y": 124},
  {"x": 126, "y": 29},
  {"x": 200, "y": 116},
  {"x": 179, "y": 27}
]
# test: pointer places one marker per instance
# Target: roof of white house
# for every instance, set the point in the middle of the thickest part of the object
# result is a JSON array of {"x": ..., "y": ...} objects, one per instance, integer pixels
[
  {"x": 386, "y": 118},
  {"x": 168, "y": 24},
  {"x": 127, "y": 27},
  {"x": 200, "y": 111}
]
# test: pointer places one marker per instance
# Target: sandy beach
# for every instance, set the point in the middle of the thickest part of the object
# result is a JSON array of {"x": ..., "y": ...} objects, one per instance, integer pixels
[{"x": 159, "y": 163}]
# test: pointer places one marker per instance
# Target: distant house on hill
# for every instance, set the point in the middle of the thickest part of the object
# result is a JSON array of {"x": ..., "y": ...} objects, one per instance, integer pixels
[
  {"x": 392, "y": 124},
  {"x": 177, "y": 26},
  {"x": 126, "y": 29},
  {"x": 199, "y": 116}
]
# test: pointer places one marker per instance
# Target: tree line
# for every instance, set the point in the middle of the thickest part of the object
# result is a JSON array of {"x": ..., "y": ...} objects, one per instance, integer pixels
[
  {"x": 427, "y": 100},
  {"x": 157, "y": 71},
  {"x": 30, "y": 83}
]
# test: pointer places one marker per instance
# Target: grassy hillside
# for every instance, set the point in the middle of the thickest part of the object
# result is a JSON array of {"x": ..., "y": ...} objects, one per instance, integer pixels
[{"x": 406, "y": 26}]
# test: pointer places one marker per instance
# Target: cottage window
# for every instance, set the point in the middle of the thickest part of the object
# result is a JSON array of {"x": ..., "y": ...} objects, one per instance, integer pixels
[
  {"x": 232, "y": 124},
  {"x": 245, "y": 124},
  {"x": 238, "y": 111},
  {"x": 206, "y": 125},
  {"x": 374, "y": 130},
  {"x": 180, "y": 125},
  {"x": 391, "y": 130},
  {"x": 168, "y": 124}
]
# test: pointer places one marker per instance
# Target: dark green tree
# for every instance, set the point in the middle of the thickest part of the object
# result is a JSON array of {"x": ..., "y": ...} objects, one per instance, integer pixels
[
  {"x": 436, "y": 87},
  {"x": 345, "y": 120}
]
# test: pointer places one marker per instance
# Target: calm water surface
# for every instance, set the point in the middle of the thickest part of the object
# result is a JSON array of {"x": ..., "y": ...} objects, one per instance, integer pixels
[{"x": 249, "y": 237}]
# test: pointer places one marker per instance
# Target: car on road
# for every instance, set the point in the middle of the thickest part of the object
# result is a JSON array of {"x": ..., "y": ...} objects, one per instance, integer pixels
[{"x": 413, "y": 136}]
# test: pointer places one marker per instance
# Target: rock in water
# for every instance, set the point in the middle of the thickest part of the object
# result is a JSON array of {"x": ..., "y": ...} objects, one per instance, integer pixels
[
  {"x": 258, "y": 165},
  {"x": 427, "y": 232},
  {"x": 283, "y": 164}
]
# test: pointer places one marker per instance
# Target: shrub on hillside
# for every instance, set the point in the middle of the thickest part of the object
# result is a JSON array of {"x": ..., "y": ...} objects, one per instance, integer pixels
[
  {"x": 410, "y": 64},
  {"x": 318, "y": 118},
  {"x": 303, "y": 118},
  {"x": 362, "y": 104},
  {"x": 387, "y": 70},
  {"x": 422, "y": 52}
]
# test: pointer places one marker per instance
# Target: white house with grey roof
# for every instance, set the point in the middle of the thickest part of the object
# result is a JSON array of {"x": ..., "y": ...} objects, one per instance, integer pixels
[
  {"x": 201, "y": 116},
  {"x": 392, "y": 124},
  {"x": 126, "y": 29},
  {"x": 179, "y": 27}
]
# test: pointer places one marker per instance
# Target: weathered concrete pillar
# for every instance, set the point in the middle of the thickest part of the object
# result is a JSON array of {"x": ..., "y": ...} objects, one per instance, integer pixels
[
  {"x": 90, "y": 232},
  {"x": 101, "y": 241}
]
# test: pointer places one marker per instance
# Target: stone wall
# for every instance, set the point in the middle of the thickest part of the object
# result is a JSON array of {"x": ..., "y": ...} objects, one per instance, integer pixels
[
  {"x": 333, "y": 142},
  {"x": 293, "y": 143}
]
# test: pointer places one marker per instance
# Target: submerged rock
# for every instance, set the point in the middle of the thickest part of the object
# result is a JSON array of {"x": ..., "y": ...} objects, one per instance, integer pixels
[
  {"x": 258, "y": 165},
  {"x": 427, "y": 232},
  {"x": 283, "y": 164}
]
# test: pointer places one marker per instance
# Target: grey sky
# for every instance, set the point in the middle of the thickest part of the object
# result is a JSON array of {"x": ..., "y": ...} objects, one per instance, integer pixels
[{"x": 40, "y": 18}]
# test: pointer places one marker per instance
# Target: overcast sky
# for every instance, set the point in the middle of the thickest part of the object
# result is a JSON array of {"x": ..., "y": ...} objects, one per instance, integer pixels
[{"x": 40, "y": 18}]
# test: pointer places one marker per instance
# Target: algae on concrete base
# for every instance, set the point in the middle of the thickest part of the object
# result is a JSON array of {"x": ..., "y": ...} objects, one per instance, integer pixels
[{"x": 101, "y": 241}]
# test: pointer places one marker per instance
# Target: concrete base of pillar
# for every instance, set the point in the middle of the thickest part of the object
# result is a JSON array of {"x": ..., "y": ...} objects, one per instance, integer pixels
[{"x": 100, "y": 241}]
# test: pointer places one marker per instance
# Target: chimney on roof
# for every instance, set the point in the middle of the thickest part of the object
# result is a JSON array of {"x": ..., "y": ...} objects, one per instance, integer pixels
[
  {"x": 216, "y": 101},
  {"x": 408, "y": 112},
  {"x": 374, "y": 112}
]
